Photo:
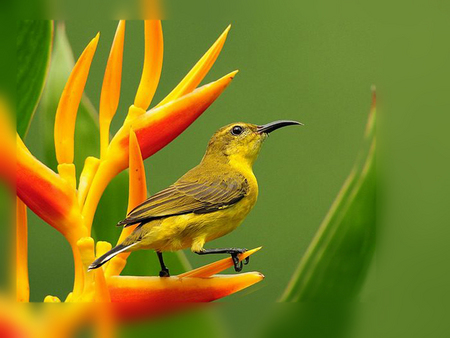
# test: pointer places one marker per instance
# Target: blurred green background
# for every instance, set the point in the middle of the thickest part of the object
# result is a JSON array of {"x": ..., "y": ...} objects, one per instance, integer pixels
[
  {"x": 313, "y": 66},
  {"x": 331, "y": 52}
]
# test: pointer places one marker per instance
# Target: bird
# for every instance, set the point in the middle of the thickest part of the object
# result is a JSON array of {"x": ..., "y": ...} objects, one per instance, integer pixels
[{"x": 206, "y": 203}]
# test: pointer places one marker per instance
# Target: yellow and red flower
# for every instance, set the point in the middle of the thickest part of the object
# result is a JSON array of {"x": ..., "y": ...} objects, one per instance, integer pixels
[{"x": 58, "y": 200}]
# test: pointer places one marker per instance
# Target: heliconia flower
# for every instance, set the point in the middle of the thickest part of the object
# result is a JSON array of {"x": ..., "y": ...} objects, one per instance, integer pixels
[
  {"x": 56, "y": 198},
  {"x": 154, "y": 129},
  {"x": 178, "y": 110}
]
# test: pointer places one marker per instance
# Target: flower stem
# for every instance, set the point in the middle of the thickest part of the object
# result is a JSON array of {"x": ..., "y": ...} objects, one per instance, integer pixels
[{"x": 22, "y": 282}]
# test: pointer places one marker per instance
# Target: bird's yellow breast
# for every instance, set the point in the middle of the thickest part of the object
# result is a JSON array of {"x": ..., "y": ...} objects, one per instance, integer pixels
[{"x": 193, "y": 230}]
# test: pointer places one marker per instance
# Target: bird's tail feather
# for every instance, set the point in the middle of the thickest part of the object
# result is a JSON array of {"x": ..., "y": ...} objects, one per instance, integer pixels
[{"x": 110, "y": 254}]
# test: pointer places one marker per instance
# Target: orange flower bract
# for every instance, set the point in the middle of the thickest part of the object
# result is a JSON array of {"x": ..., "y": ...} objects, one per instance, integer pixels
[{"x": 70, "y": 208}]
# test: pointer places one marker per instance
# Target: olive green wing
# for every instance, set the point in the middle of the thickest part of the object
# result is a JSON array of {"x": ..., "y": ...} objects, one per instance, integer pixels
[{"x": 203, "y": 193}]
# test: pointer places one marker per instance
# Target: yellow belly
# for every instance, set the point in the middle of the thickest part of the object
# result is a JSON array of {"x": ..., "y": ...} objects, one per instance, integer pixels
[{"x": 193, "y": 230}]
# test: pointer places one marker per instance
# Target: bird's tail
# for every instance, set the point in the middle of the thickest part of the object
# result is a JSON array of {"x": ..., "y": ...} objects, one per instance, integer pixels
[{"x": 110, "y": 254}]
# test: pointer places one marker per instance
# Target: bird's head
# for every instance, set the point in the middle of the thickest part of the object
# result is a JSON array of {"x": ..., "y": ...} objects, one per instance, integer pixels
[{"x": 242, "y": 141}]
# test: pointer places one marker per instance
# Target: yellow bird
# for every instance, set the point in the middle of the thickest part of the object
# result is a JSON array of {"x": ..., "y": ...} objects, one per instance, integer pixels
[{"x": 208, "y": 202}]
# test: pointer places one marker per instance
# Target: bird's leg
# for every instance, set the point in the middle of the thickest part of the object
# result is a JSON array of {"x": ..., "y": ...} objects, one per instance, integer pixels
[
  {"x": 164, "y": 271},
  {"x": 234, "y": 252}
]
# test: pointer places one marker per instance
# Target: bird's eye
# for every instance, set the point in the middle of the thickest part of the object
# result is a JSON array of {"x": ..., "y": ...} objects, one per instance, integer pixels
[{"x": 237, "y": 130}]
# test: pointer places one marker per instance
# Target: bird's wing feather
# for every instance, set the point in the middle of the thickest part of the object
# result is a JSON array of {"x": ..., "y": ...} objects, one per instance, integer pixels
[{"x": 202, "y": 193}]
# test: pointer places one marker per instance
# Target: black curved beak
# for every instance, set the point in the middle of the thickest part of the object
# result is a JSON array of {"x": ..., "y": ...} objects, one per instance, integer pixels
[{"x": 270, "y": 127}]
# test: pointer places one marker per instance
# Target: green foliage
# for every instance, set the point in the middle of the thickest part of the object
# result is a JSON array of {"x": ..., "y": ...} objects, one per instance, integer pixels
[
  {"x": 311, "y": 320},
  {"x": 337, "y": 259},
  {"x": 34, "y": 44}
]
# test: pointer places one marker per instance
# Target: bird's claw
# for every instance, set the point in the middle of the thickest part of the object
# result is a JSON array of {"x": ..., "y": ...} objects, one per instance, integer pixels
[
  {"x": 237, "y": 263},
  {"x": 247, "y": 259}
]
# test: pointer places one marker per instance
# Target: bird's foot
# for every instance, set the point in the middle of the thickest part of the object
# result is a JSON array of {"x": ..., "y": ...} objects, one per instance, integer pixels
[
  {"x": 234, "y": 252},
  {"x": 164, "y": 273},
  {"x": 238, "y": 264}
]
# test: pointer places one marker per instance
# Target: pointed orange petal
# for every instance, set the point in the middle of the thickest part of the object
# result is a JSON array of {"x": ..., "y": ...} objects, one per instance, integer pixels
[
  {"x": 22, "y": 283},
  {"x": 68, "y": 104},
  {"x": 216, "y": 267},
  {"x": 159, "y": 126},
  {"x": 199, "y": 71},
  {"x": 154, "y": 130},
  {"x": 138, "y": 185},
  {"x": 109, "y": 97},
  {"x": 137, "y": 195},
  {"x": 153, "y": 59},
  {"x": 140, "y": 297}
]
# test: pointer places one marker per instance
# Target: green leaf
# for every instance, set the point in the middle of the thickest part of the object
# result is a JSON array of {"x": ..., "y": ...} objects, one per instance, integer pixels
[
  {"x": 34, "y": 44},
  {"x": 335, "y": 264}
]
